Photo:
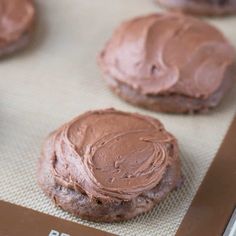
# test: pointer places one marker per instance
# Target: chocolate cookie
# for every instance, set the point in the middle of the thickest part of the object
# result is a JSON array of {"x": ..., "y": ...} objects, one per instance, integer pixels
[
  {"x": 169, "y": 63},
  {"x": 201, "y": 7},
  {"x": 109, "y": 165},
  {"x": 16, "y": 23}
]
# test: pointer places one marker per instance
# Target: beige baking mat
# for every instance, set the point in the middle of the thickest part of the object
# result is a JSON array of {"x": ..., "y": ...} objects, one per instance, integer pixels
[{"x": 57, "y": 79}]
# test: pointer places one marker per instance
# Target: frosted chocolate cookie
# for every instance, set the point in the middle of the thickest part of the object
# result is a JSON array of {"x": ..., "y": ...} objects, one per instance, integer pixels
[
  {"x": 16, "y": 24},
  {"x": 108, "y": 165},
  {"x": 168, "y": 63},
  {"x": 201, "y": 7}
]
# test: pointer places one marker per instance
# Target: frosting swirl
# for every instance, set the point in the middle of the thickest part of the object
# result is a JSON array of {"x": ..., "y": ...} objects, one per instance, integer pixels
[
  {"x": 16, "y": 17},
  {"x": 168, "y": 54},
  {"x": 111, "y": 154}
]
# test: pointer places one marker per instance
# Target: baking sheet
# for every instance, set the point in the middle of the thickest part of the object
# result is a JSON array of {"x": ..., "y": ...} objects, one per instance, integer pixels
[{"x": 57, "y": 78}]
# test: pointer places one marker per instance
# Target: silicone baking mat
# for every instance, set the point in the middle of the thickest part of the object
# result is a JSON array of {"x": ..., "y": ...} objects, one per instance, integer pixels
[{"x": 57, "y": 78}]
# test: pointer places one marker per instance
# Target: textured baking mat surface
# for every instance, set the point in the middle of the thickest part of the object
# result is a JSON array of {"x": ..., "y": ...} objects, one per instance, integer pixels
[{"x": 56, "y": 78}]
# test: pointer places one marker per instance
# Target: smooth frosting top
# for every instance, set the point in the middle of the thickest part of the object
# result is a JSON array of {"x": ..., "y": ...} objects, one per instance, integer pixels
[
  {"x": 170, "y": 53},
  {"x": 112, "y": 154},
  {"x": 16, "y": 17}
]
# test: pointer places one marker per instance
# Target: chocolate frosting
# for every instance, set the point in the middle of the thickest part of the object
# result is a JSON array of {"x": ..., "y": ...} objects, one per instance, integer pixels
[
  {"x": 211, "y": 2},
  {"x": 16, "y": 17},
  {"x": 168, "y": 54},
  {"x": 111, "y": 154}
]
